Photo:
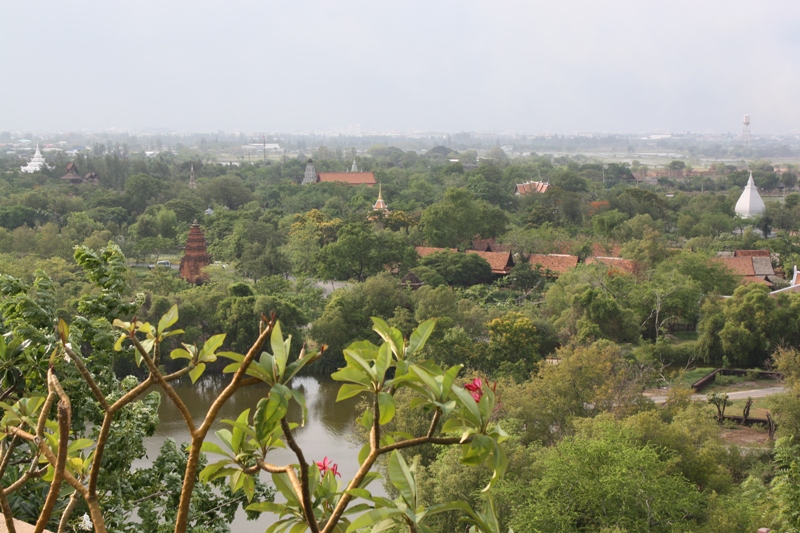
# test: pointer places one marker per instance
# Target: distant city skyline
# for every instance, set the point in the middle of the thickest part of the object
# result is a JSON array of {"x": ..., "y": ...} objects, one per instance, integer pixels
[{"x": 469, "y": 66}]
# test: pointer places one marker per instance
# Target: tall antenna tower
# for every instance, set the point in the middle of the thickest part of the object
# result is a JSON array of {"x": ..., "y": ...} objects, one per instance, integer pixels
[{"x": 746, "y": 130}]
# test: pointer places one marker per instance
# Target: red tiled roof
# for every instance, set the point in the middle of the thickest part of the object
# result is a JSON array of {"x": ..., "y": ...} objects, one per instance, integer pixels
[
  {"x": 741, "y": 266},
  {"x": 747, "y": 280},
  {"x": 422, "y": 251},
  {"x": 751, "y": 253},
  {"x": 624, "y": 265},
  {"x": 352, "y": 178},
  {"x": 500, "y": 262},
  {"x": 531, "y": 187},
  {"x": 602, "y": 250},
  {"x": 558, "y": 263}
]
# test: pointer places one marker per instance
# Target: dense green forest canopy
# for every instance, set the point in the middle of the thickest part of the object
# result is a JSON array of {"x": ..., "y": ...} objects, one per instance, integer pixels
[{"x": 570, "y": 351}]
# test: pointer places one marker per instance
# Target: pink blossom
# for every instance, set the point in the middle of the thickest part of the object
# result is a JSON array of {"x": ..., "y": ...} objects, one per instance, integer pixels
[
  {"x": 475, "y": 388},
  {"x": 326, "y": 465}
]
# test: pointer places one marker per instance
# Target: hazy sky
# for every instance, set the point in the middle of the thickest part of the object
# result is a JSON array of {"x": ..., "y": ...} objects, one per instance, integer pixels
[{"x": 559, "y": 66}]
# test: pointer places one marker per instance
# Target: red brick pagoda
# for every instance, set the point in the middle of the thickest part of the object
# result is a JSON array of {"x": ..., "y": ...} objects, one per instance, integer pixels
[{"x": 195, "y": 256}]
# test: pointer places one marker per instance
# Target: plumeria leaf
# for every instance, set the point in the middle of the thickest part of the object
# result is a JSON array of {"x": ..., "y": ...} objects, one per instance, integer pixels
[
  {"x": 169, "y": 318},
  {"x": 348, "y": 390},
  {"x": 180, "y": 353},
  {"x": 197, "y": 371},
  {"x": 419, "y": 337},
  {"x": 387, "y": 408}
]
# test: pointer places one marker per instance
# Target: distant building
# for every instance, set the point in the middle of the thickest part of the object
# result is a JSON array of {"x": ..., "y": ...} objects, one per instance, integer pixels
[
  {"x": 750, "y": 203},
  {"x": 411, "y": 281},
  {"x": 749, "y": 268},
  {"x": 310, "y": 175},
  {"x": 618, "y": 264},
  {"x": 195, "y": 256},
  {"x": 501, "y": 262},
  {"x": 73, "y": 177},
  {"x": 36, "y": 164},
  {"x": 554, "y": 264},
  {"x": 351, "y": 178},
  {"x": 380, "y": 205},
  {"x": 529, "y": 187},
  {"x": 192, "y": 179}
]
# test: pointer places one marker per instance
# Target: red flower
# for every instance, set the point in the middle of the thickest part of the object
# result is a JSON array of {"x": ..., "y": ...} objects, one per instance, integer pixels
[
  {"x": 325, "y": 465},
  {"x": 475, "y": 388}
]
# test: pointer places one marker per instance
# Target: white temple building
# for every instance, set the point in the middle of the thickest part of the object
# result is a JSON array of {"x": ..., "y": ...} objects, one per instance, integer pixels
[
  {"x": 750, "y": 203},
  {"x": 36, "y": 164}
]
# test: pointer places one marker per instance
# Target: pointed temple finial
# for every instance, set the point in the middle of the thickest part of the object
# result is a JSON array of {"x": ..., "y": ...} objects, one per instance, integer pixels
[
  {"x": 354, "y": 168},
  {"x": 380, "y": 205},
  {"x": 192, "y": 181}
]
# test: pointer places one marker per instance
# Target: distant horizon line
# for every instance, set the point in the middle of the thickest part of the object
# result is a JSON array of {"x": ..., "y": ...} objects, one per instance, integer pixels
[{"x": 371, "y": 133}]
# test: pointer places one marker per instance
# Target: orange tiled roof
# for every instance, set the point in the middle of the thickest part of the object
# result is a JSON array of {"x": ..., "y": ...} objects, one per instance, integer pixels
[
  {"x": 352, "y": 178},
  {"x": 601, "y": 250},
  {"x": 741, "y": 266},
  {"x": 558, "y": 263},
  {"x": 751, "y": 253},
  {"x": 624, "y": 265},
  {"x": 500, "y": 262},
  {"x": 747, "y": 280},
  {"x": 531, "y": 187},
  {"x": 422, "y": 251}
]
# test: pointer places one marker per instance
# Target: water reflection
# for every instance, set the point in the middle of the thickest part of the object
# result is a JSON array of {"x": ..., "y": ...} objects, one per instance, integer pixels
[{"x": 329, "y": 430}]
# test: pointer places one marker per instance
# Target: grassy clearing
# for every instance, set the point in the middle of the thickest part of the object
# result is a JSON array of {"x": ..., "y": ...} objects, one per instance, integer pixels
[
  {"x": 739, "y": 383},
  {"x": 685, "y": 336},
  {"x": 690, "y": 376}
]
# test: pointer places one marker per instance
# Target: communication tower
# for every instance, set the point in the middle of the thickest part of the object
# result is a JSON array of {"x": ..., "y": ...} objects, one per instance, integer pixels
[{"x": 746, "y": 130}]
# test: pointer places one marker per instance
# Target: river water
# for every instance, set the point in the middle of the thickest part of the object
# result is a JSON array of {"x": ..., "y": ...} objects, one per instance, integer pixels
[{"x": 329, "y": 429}]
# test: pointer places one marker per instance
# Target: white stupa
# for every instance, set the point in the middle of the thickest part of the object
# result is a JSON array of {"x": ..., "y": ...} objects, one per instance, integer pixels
[
  {"x": 36, "y": 164},
  {"x": 750, "y": 203}
]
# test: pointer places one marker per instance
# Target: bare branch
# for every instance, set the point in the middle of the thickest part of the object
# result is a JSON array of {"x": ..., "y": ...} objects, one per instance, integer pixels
[
  {"x": 87, "y": 376},
  {"x": 73, "y": 502},
  {"x": 64, "y": 416},
  {"x": 305, "y": 492}
]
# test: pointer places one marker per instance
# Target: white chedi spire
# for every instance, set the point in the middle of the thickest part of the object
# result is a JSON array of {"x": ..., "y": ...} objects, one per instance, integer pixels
[
  {"x": 354, "y": 168},
  {"x": 36, "y": 164},
  {"x": 750, "y": 203}
]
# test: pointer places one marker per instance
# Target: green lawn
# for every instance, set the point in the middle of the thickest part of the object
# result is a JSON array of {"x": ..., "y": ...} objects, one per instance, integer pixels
[{"x": 690, "y": 376}]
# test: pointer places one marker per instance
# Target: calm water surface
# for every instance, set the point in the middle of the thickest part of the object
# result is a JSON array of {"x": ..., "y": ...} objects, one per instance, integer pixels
[{"x": 329, "y": 429}]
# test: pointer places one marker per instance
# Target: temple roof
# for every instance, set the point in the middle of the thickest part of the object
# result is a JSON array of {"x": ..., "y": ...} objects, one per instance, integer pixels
[
  {"x": 556, "y": 263},
  {"x": 616, "y": 263},
  {"x": 501, "y": 262},
  {"x": 380, "y": 205},
  {"x": 352, "y": 178},
  {"x": 531, "y": 187},
  {"x": 750, "y": 203}
]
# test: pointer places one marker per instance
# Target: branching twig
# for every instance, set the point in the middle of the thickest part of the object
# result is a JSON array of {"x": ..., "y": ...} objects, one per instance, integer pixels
[
  {"x": 305, "y": 492},
  {"x": 64, "y": 423}
]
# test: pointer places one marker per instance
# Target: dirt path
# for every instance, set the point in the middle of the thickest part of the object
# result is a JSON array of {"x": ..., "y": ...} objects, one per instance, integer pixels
[{"x": 736, "y": 395}]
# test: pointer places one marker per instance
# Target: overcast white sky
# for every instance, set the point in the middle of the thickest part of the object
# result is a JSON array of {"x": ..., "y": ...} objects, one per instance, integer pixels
[{"x": 559, "y": 66}]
